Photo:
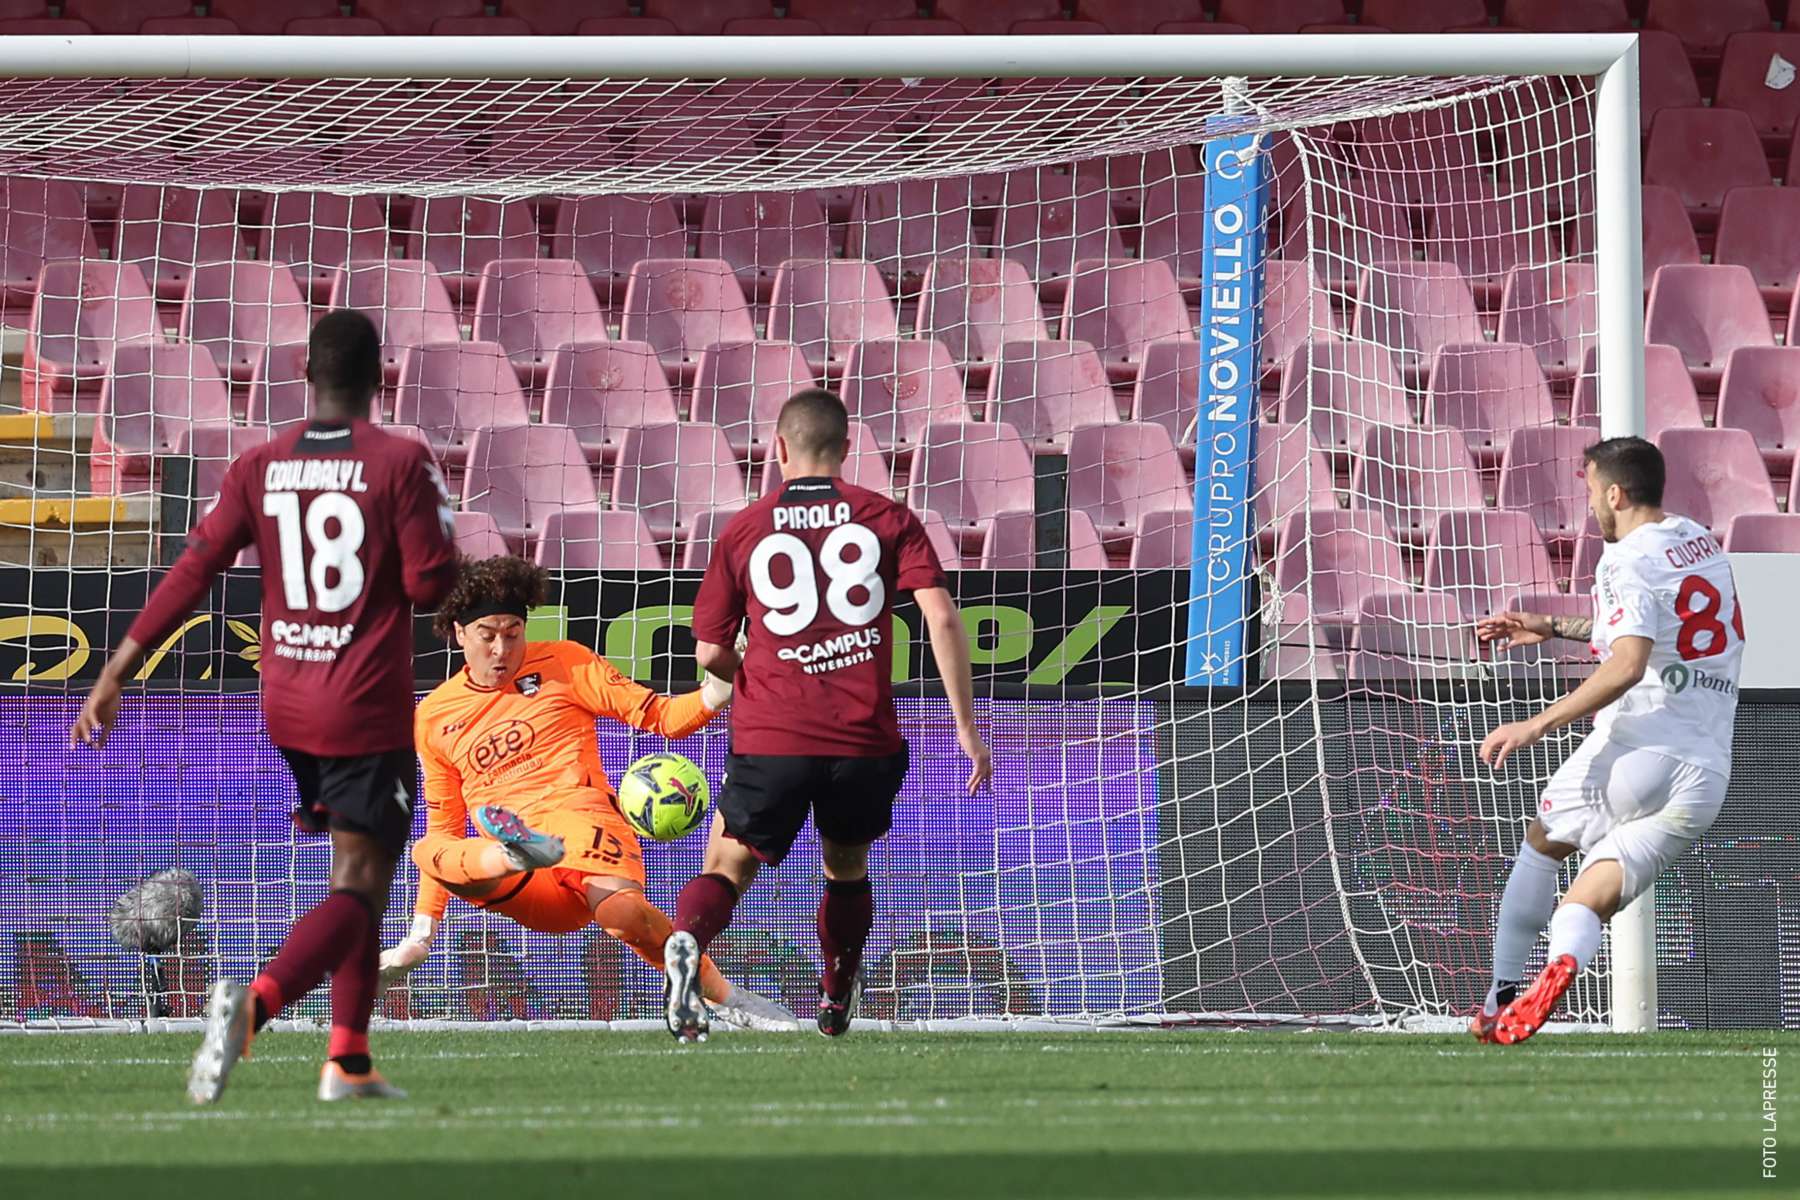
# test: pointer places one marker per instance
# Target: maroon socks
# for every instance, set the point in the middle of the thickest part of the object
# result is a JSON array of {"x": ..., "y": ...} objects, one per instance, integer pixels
[
  {"x": 341, "y": 936},
  {"x": 705, "y": 906},
  {"x": 846, "y": 913}
]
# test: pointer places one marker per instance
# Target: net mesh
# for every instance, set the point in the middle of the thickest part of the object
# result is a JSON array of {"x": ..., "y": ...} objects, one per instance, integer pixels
[{"x": 593, "y": 298}]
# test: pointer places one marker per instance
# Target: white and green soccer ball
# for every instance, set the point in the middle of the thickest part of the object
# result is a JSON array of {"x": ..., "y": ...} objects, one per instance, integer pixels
[{"x": 664, "y": 796}]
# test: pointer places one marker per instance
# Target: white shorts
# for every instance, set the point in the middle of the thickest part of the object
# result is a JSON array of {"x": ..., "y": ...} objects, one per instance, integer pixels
[{"x": 1637, "y": 807}]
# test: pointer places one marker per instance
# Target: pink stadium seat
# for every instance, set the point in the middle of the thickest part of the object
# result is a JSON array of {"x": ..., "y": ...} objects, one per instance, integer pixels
[
  {"x": 938, "y": 533},
  {"x": 824, "y": 306},
  {"x": 1486, "y": 234},
  {"x": 901, "y": 227},
  {"x": 519, "y": 474},
  {"x": 166, "y": 230},
  {"x": 319, "y": 234},
  {"x": 1010, "y": 543},
  {"x": 741, "y": 386},
  {"x": 1764, "y": 533},
  {"x": 1047, "y": 225},
  {"x": 1413, "y": 308},
  {"x": 1486, "y": 390},
  {"x": 1137, "y": 16},
  {"x": 1759, "y": 228},
  {"x": 1120, "y": 471},
  {"x": 682, "y": 306},
  {"x": 897, "y": 388},
  {"x": 83, "y": 310},
  {"x": 559, "y": 18},
  {"x": 1669, "y": 398},
  {"x": 478, "y": 536},
  {"x": 40, "y": 220},
  {"x": 1547, "y": 152},
  {"x": 1703, "y": 153},
  {"x": 1668, "y": 234},
  {"x": 864, "y": 466},
  {"x": 706, "y": 17},
  {"x": 627, "y": 27},
  {"x": 481, "y": 27},
  {"x": 238, "y": 309},
  {"x": 1296, "y": 308},
  {"x": 1424, "y": 16},
  {"x": 1340, "y": 390},
  {"x": 211, "y": 447},
  {"x": 968, "y": 472},
  {"x": 1406, "y": 635},
  {"x": 1483, "y": 556},
  {"x": 1742, "y": 86},
  {"x": 1354, "y": 556},
  {"x": 278, "y": 391},
  {"x": 1542, "y": 477},
  {"x": 263, "y": 17},
  {"x": 595, "y": 539},
  {"x": 1350, "y": 225},
  {"x": 334, "y": 27},
  {"x": 1165, "y": 541},
  {"x": 154, "y": 392},
  {"x": 1704, "y": 25},
  {"x": 1588, "y": 549},
  {"x": 44, "y": 27},
  {"x": 461, "y": 235},
  {"x": 1760, "y": 394},
  {"x": 758, "y": 231},
  {"x": 1428, "y": 157},
  {"x": 1167, "y": 392},
  {"x": 1174, "y": 224},
  {"x": 976, "y": 305},
  {"x": 1667, "y": 78},
  {"x": 1280, "y": 16},
  {"x": 188, "y": 27},
  {"x": 849, "y": 20},
  {"x": 535, "y": 307},
  {"x": 608, "y": 234},
  {"x": 696, "y": 548},
  {"x": 770, "y": 27},
  {"x": 1714, "y": 475},
  {"x": 1559, "y": 656},
  {"x": 407, "y": 302},
  {"x": 1291, "y": 475},
  {"x": 1409, "y": 476},
  {"x": 601, "y": 389},
  {"x": 1303, "y": 649},
  {"x": 1551, "y": 309},
  {"x": 997, "y": 16},
  {"x": 1128, "y": 177},
  {"x": 123, "y": 16},
  {"x": 916, "y": 27},
  {"x": 1706, "y": 312},
  {"x": 1120, "y": 308},
  {"x": 1047, "y": 389},
  {"x": 673, "y": 473},
  {"x": 1566, "y": 16},
  {"x": 413, "y": 18},
  {"x": 451, "y": 391}
]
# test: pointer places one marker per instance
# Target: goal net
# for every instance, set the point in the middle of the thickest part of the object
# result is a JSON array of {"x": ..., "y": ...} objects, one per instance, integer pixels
[{"x": 1234, "y": 724}]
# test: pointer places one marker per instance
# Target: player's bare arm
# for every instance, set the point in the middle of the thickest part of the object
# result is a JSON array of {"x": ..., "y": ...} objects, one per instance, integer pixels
[
  {"x": 950, "y": 646},
  {"x": 1612, "y": 679},
  {"x": 101, "y": 709}
]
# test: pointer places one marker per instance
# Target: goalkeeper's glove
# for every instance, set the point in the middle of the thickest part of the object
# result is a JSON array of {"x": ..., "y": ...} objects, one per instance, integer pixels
[
  {"x": 715, "y": 693},
  {"x": 400, "y": 959}
]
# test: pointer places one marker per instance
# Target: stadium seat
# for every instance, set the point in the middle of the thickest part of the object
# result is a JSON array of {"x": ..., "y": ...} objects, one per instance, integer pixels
[
  {"x": 1486, "y": 234},
  {"x": 1137, "y": 16},
  {"x": 1559, "y": 657},
  {"x": 1165, "y": 541},
  {"x": 626, "y": 27},
  {"x": 1045, "y": 390},
  {"x": 84, "y": 308},
  {"x": 319, "y": 234},
  {"x": 519, "y": 474},
  {"x": 481, "y": 27},
  {"x": 1552, "y": 309},
  {"x": 681, "y": 306},
  {"x": 1426, "y": 157},
  {"x": 44, "y": 27},
  {"x": 450, "y": 391},
  {"x": 997, "y": 16},
  {"x": 1483, "y": 556},
  {"x": 1411, "y": 475},
  {"x": 279, "y": 394},
  {"x": 1704, "y": 25},
  {"x": 1760, "y": 394},
  {"x": 673, "y": 473},
  {"x": 238, "y": 309},
  {"x": 601, "y": 389},
  {"x": 1666, "y": 77},
  {"x": 1413, "y": 308},
  {"x": 824, "y": 306},
  {"x": 559, "y": 18},
  {"x": 1353, "y": 556},
  {"x": 976, "y": 305},
  {"x": 1296, "y": 308},
  {"x": 608, "y": 234},
  {"x": 696, "y": 549},
  {"x": 1714, "y": 475},
  {"x": 1541, "y": 476},
  {"x": 864, "y": 466},
  {"x": 478, "y": 536},
  {"x": 1174, "y": 225},
  {"x": 1566, "y": 16},
  {"x": 534, "y": 307},
  {"x": 1764, "y": 533},
  {"x": 1120, "y": 471},
  {"x": 1743, "y": 85},
  {"x": 901, "y": 227},
  {"x": 334, "y": 27},
  {"x": 1546, "y": 149},
  {"x": 756, "y": 232},
  {"x": 1167, "y": 392},
  {"x": 260, "y": 17},
  {"x": 1486, "y": 390},
  {"x": 1010, "y": 543},
  {"x": 1407, "y": 635},
  {"x": 968, "y": 472},
  {"x": 771, "y": 27},
  {"x": 1291, "y": 475},
  {"x": 1668, "y": 234},
  {"x": 741, "y": 386},
  {"x": 1588, "y": 549},
  {"x": 595, "y": 539},
  {"x": 1703, "y": 153},
  {"x": 706, "y": 17},
  {"x": 1119, "y": 308},
  {"x": 40, "y": 220},
  {"x": 188, "y": 27},
  {"x": 1047, "y": 225},
  {"x": 413, "y": 18},
  {"x": 166, "y": 230},
  {"x": 850, "y": 20},
  {"x": 1424, "y": 16},
  {"x": 123, "y": 16},
  {"x": 1669, "y": 398},
  {"x": 1341, "y": 389},
  {"x": 154, "y": 391},
  {"x": 896, "y": 388},
  {"x": 407, "y": 302},
  {"x": 1281, "y": 16},
  {"x": 1351, "y": 225},
  {"x": 942, "y": 541},
  {"x": 210, "y": 448},
  {"x": 1706, "y": 312},
  {"x": 461, "y": 235},
  {"x": 1759, "y": 228}
]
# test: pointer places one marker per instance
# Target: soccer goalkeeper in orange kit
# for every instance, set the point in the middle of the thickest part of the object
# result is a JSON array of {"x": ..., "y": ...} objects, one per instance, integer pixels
[{"x": 511, "y": 737}]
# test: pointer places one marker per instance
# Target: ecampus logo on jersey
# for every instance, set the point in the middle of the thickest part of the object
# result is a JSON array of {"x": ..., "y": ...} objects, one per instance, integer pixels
[{"x": 834, "y": 653}]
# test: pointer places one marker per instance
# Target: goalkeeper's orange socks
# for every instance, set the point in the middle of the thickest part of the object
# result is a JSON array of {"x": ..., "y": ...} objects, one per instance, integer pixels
[
  {"x": 705, "y": 906},
  {"x": 630, "y": 917},
  {"x": 846, "y": 914}
]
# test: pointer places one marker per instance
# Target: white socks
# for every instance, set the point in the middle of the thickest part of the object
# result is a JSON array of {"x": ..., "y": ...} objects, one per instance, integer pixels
[
  {"x": 1524, "y": 907},
  {"x": 1575, "y": 930}
]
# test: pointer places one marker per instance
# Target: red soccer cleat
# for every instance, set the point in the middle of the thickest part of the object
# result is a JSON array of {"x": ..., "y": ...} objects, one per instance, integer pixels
[
  {"x": 1526, "y": 1015},
  {"x": 1482, "y": 1025}
]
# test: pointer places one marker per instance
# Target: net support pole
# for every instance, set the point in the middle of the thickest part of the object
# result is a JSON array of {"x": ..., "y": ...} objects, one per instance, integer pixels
[{"x": 1619, "y": 275}]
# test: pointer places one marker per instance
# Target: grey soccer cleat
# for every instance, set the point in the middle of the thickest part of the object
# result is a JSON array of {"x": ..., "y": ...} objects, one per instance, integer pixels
[
  {"x": 748, "y": 1010},
  {"x": 688, "y": 1018},
  {"x": 230, "y": 1024},
  {"x": 335, "y": 1083}
]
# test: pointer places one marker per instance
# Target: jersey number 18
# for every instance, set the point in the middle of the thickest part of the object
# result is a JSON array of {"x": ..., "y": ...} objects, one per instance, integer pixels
[{"x": 331, "y": 552}]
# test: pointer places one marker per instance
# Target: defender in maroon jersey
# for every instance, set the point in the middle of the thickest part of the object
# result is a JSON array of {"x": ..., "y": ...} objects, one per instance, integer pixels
[
  {"x": 815, "y": 567},
  {"x": 352, "y": 528}
]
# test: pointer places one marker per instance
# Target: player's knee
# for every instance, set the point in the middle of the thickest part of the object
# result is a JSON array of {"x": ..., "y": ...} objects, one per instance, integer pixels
[
  {"x": 1538, "y": 840},
  {"x": 359, "y": 864},
  {"x": 844, "y": 864}
]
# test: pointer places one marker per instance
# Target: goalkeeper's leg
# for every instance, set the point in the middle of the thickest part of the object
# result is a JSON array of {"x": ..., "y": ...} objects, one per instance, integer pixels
[{"x": 475, "y": 867}]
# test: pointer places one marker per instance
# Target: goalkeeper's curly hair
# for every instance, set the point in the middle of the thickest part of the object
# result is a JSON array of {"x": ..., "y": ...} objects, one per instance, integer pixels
[{"x": 481, "y": 581}]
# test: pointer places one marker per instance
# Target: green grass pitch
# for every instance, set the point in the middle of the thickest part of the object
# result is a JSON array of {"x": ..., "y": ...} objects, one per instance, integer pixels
[{"x": 502, "y": 1116}]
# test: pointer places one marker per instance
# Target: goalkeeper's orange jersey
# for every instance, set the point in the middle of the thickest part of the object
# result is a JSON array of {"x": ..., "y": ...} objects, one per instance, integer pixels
[{"x": 530, "y": 746}]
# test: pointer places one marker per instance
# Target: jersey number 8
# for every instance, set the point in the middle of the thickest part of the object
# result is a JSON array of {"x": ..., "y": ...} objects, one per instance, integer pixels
[
  {"x": 793, "y": 606},
  {"x": 330, "y": 552}
]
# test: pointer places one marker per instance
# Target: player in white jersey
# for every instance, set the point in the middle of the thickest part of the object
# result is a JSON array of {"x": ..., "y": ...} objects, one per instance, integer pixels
[{"x": 1650, "y": 778}]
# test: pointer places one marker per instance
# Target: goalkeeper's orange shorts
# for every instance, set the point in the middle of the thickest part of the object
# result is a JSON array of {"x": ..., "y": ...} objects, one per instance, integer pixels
[{"x": 596, "y": 841}]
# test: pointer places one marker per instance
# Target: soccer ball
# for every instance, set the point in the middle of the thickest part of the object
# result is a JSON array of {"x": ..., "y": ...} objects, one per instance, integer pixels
[{"x": 664, "y": 796}]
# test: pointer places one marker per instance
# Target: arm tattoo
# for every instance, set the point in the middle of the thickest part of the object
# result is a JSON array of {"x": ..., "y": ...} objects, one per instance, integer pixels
[{"x": 1576, "y": 629}]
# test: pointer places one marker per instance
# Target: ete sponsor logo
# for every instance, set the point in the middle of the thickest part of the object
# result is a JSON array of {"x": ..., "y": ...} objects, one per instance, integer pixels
[{"x": 504, "y": 742}]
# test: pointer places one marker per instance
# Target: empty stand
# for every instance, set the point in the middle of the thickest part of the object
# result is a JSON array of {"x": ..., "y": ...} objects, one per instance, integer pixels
[
  {"x": 461, "y": 235},
  {"x": 824, "y": 306},
  {"x": 1045, "y": 390},
  {"x": 968, "y": 472},
  {"x": 1167, "y": 392},
  {"x": 1485, "y": 235},
  {"x": 1281, "y": 16},
  {"x": 976, "y": 305},
  {"x": 123, "y": 16},
  {"x": 840, "y": 19},
  {"x": 1296, "y": 308},
  {"x": 741, "y": 386},
  {"x": 1409, "y": 477},
  {"x": 1668, "y": 234},
  {"x": 452, "y": 390},
  {"x": 1704, "y": 25},
  {"x": 40, "y": 220},
  {"x": 594, "y": 539},
  {"x": 1702, "y": 153},
  {"x": 83, "y": 310},
  {"x": 1667, "y": 77},
  {"x": 1714, "y": 475},
  {"x": 320, "y": 235},
  {"x": 262, "y": 17},
  {"x": 1120, "y": 308},
  {"x": 1413, "y": 308},
  {"x": 696, "y": 550},
  {"x": 279, "y": 394},
  {"x": 897, "y": 388},
  {"x": 166, "y": 230},
  {"x": 1487, "y": 390},
  {"x": 481, "y": 27},
  {"x": 997, "y": 16},
  {"x": 1743, "y": 85},
  {"x": 239, "y": 309},
  {"x": 902, "y": 227},
  {"x": 522, "y": 474},
  {"x": 1352, "y": 556},
  {"x": 1291, "y": 475},
  {"x": 1481, "y": 557},
  {"x": 672, "y": 473},
  {"x": 1552, "y": 309},
  {"x": 1759, "y": 229},
  {"x": 1340, "y": 390},
  {"x": 602, "y": 389},
  {"x": 755, "y": 232},
  {"x": 478, "y": 536},
  {"x": 1119, "y": 472},
  {"x": 534, "y": 307},
  {"x": 1174, "y": 225},
  {"x": 1669, "y": 398},
  {"x": 682, "y": 306},
  {"x": 1562, "y": 656},
  {"x": 1764, "y": 533},
  {"x": 942, "y": 541},
  {"x": 210, "y": 447},
  {"x": 1542, "y": 477},
  {"x": 1566, "y": 16},
  {"x": 608, "y": 234},
  {"x": 154, "y": 392},
  {"x": 1760, "y": 394},
  {"x": 706, "y": 17},
  {"x": 1706, "y": 312},
  {"x": 1405, "y": 635},
  {"x": 413, "y": 18},
  {"x": 864, "y": 465},
  {"x": 1048, "y": 224}
]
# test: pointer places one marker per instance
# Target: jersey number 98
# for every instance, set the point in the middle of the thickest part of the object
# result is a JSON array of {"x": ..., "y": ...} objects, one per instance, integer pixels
[{"x": 794, "y": 606}]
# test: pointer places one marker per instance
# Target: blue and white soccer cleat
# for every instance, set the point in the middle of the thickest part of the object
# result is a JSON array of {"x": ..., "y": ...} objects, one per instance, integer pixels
[
  {"x": 687, "y": 1013},
  {"x": 230, "y": 1024},
  {"x": 526, "y": 848}
]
